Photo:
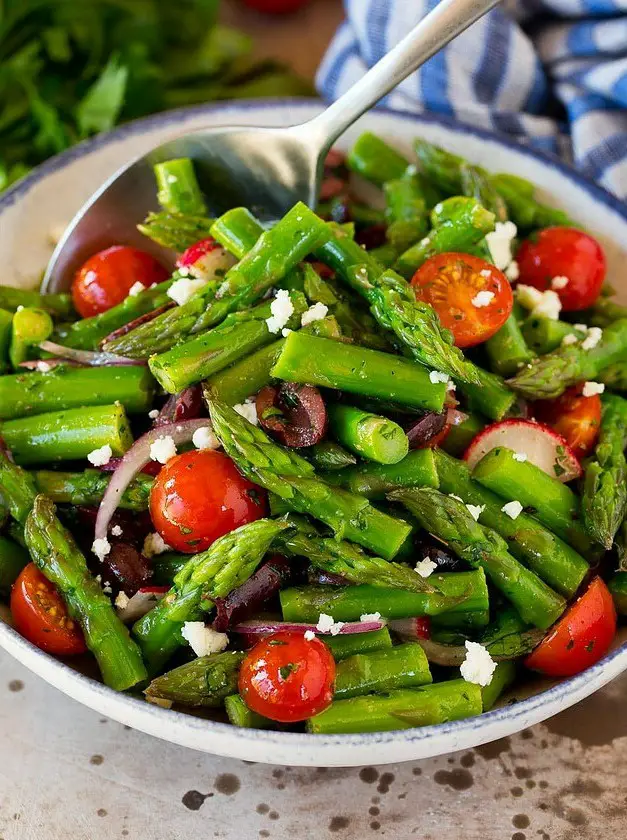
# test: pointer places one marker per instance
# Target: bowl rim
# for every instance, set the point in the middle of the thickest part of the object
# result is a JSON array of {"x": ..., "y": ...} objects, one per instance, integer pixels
[{"x": 497, "y": 722}]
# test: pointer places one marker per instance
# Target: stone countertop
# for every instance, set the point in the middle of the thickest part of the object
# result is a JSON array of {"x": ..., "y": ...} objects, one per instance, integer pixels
[{"x": 67, "y": 772}]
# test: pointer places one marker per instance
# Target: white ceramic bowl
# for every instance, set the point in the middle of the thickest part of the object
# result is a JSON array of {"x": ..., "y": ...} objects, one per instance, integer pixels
[{"x": 37, "y": 208}]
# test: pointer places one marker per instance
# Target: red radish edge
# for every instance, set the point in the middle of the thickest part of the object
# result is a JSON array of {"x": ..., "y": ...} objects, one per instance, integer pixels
[{"x": 518, "y": 435}]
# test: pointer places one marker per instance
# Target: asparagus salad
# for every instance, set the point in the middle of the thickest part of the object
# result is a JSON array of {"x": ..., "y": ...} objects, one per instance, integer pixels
[{"x": 356, "y": 471}]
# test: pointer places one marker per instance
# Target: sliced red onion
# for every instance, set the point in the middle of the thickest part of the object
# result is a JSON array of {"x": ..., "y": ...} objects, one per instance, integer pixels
[
  {"x": 411, "y": 628},
  {"x": 88, "y": 357},
  {"x": 49, "y": 364},
  {"x": 137, "y": 322},
  {"x": 141, "y": 603},
  {"x": 266, "y": 628},
  {"x": 132, "y": 463}
]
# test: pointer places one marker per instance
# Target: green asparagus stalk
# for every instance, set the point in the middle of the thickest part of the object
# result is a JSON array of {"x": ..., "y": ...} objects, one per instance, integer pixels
[
  {"x": 550, "y": 375},
  {"x": 28, "y": 328},
  {"x": 603, "y": 312},
  {"x": 604, "y": 498},
  {"x": 240, "y": 715},
  {"x": 56, "y": 555},
  {"x": 67, "y": 435},
  {"x": 237, "y": 230},
  {"x": 6, "y": 325},
  {"x": 211, "y": 574},
  {"x": 374, "y": 160},
  {"x": 476, "y": 184},
  {"x": 13, "y": 558},
  {"x": 615, "y": 376},
  {"x": 88, "y": 488},
  {"x": 350, "y": 644},
  {"x": 543, "y": 335},
  {"x": 406, "y": 211},
  {"x": 548, "y": 556},
  {"x": 206, "y": 681},
  {"x": 401, "y": 709},
  {"x": 461, "y": 434},
  {"x": 177, "y": 187},
  {"x": 507, "y": 350},
  {"x": 417, "y": 469},
  {"x": 17, "y": 489},
  {"x": 403, "y": 666},
  {"x": 450, "y": 521},
  {"x": 504, "y": 675},
  {"x": 174, "y": 230},
  {"x": 65, "y": 387},
  {"x": 166, "y": 566},
  {"x": 293, "y": 479},
  {"x": 58, "y": 305},
  {"x": 328, "y": 455},
  {"x": 370, "y": 435},
  {"x": 617, "y": 585}
]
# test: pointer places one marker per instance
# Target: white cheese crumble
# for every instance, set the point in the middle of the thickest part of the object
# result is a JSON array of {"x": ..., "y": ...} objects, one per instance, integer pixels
[
  {"x": 478, "y": 667},
  {"x": 44, "y": 367},
  {"x": 457, "y": 498},
  {"x": 370, "y": 617},
  {"x": 182, "y": 289},
  {"x": 590, "y": 389},
  {"x": 569, "y": 339},
  {"x": 482, "y": 299},
  {"x": 582, "y": 327},
  {"x": 512, "y": 509},
  {"x": 425, "y": 567},
  {"x": 162, "y": 449},
  {"x": 153, "y": 414},
  {"x": 101, "y": 547},
  {"x": 100, "y": 457},
  {"x": 116, "y": 531},
  {"x": 499, "y": 243},
  {"x": 282, "y": 309},
  {"x": 520, "y": 457},
  {"x": 154, "y": 544},
  {"x": 327, "y": 625},
  {"x": 106, "y": 588},
  {"x": 559, "y": 282},
  {"x": 594, "y": 335},
  {"x": 315, "y": 313},
  {"x": 136, "y": 289},
  {"x": 122, "y": 601},
  {"x": 203, "y": 640},
  {"x": 285, "y": 332},
  {"x": 528, "y": 296},
  {"x": 475, "y": 511},
  {"x": 248, "y": 411},
  {"x": 545, "y": 304},
  {"x": 436, "y": 376},
  {"x": 204, "y": 438},
  {"x": 486, "y": 272},
  {"x": 309, "y": 635},
  {"x": 512, "y": 272}
]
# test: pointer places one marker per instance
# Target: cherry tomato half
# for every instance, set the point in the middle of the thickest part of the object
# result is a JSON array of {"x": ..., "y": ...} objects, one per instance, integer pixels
[
  {"x": 580, "y": 638},
  {"x": 40, "y": 615},
  {"x": 472, "y": 298},
  {"x": 575, "y": 417},
  {"x": 105, "y": 279},
  {"x": 276, "y": 7},
  {"x": 287, "y": 678},
  {"x": 199, "y": 496},
  {"x": 561, "y": 252}
]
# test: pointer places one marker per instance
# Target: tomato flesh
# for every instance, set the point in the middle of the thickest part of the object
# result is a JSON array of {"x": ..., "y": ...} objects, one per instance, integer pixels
[
  {"x": 575, "y": 417},
  {"x": 287, "y": 678},
  {"x": 564, "y": 253},
  {"x": 40, "y": 615},
  {"x": 452, "y": 284},
  {"x": 105, "y": 279},
  {"x": 199, "y": 496},
  {"x": 580, "y": 638}
]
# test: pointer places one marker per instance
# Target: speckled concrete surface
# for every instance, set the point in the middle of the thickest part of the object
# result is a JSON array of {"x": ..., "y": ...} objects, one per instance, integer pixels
[{"x": 66, "y": 772}]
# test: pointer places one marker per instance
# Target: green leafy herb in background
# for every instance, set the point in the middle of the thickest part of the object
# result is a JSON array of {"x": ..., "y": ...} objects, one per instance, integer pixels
[{"x": 73, "y": 68}]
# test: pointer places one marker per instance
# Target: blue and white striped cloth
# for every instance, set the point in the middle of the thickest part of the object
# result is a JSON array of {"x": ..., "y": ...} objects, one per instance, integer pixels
[{"x": 551, "y": 72}]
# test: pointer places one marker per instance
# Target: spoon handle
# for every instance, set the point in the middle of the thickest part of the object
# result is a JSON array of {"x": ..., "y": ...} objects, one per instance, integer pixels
[{"x": 445, "y": 22}]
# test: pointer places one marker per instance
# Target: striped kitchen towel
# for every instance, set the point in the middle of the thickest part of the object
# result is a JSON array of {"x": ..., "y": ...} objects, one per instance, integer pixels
[{"x": 551, "y": 72}]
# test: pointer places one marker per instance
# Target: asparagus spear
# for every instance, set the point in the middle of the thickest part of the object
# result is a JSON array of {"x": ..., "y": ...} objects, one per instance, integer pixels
[
  {"x": 67, "y": 387},
  {"x": 504, "y": 675},
  {"x": 450, "y": 521},
  {"x": 403, "y": 666},
  {"x": 406, "y": 211},
  {"x": 417, "y": 469},
  {"x": 543, "y": 335},
  {"x": 206, "y": 681},
  {"x": 615, "y": 376},
  {"x": 328, "y": 455},
  {"x": 369, "y": 435},
  {"x": 56, "y": 555},
  {"x": 211, "y": 574},
  {"x": 293, "y": 479},
  {"x": 374, "y": 160},
  {"x": 67, "y": 435},
  {"x": 550, "y": 375},
  {"x": 350, "y": 644},
  {"x": 17, "y": 489},
  {"x": 175, "y": 230},
  {"x": 603, "y": 312},
  {"x": 177, "y": 187},
  {"x": 237, "y": 230},
  {"x": 604, "y": 499},
  {"x": 28, "y": 328},
  {"x": 13, "y": 558},
  {"x": 166, "y": 566},
  {"x": 476, "y": 184},
  {"x": 618, "y": 587},
  {"x": 461, "y": 434},
  {"x": 507, "y": 350},
  {"x": 240, "y": 715},
  {"x": 58, "y": 305},
  {"x": 6, "y": 323},
  {"x": 88, "y": 488}
]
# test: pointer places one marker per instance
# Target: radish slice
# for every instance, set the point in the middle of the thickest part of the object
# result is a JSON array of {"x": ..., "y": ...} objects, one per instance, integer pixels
[
  {"x": 133, "y": 461},
  {"x": 205, "y": 258},
  {"x": 88, "y": 357},
  {"x": 540, "y": 444},
  {"x": 140, "y": 604},
  {"x": 266, "y": 628}
]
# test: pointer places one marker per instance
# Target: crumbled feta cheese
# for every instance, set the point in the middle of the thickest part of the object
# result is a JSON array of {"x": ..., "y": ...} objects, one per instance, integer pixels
[
  {"x": 475, "y": 511},
  {"x": 486, "y": 272},
  {"x": 327, "y": 625},
  {"x": 282, "y": 309},
  {"x": 182, "y": 289},
  {"x": 203, "y": 640},
  {"x": 285, "y": 332},
  {"x": 435, "y": 376},
  {"x": 204, "y": 438},
  {"x": 44, "y": 367},
  {"x": 153, "y": 414},
  {"x": 520, "y": 457},
  {"x": 101, "y": 547},
  {"x": 248, "y": 411},
  {"x": 592, "y": 388},
  {"x": 136, "y": 288},
  {"x": 20, "y": 307},
  {"x": 559, "y": 282},
  {"x": 478, "y": 667},
  {"x": 512, "y": 272},
  {"x": 122, "y": 601},
  {"x": 100, "y": 457},
  {"x": 116, "y": 531},
  {"x": 528, "y": 296},
  {"x": 315, "y": 313},
  {"x": 581, "y": 327},
  {"x": 482, "y": 299},
  {"x": 154, "y": 544},
  {"x": 546, "y": 304},
  {"x": 594, "y": 335},
  {"x": 438, "y": 207},
  {"x": 457, "y": 498},
  {"x": 451, "y": 386},
  {"x": 425, "y": 567},
  {"x": 309, "y": 635},
  {"x": 569, "y": 339},
  {"x": 424, "y": 242},
  {"x": 370, "y": 617},
  {"x": 512, "y": 509},
  {"x": 499, "y": 243},
  {"x": 106, "y": 588},
  {"x": 162, "y": 449}
]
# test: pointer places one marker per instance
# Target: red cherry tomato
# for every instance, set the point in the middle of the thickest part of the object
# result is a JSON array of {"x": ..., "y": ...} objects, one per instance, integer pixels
[
  {"x": 452, "y": 284},
  {"x": 287, "y": 678},
  {"x": 580, "y": 638},
  {"x": 107, "y": 277},
  {"x": 199, "y": 496},
  {"x": 40, "y": 615},
  {"x": 276, "y": 7},
  {"x": 564, "y": 252},
  {"x": 575, "y": 417}
]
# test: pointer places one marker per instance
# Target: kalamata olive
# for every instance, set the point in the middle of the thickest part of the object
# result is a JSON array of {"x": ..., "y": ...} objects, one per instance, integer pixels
[
  {"x": 137, "y": 322},
  {"x": 335, "y": 162},
  {"x": 186, "y": 405},
  {"x": 125, "y": 569},
  {"x": 293, "y": 414},
  {"x": 437, "y": 552},
  {"x": 372, "y": 236},
  {"x": 135, "y": 526},
  {"x": 424, "y": 428},
  {"x": 331, "y": 187},
  {"x": 251, "y": 596}
]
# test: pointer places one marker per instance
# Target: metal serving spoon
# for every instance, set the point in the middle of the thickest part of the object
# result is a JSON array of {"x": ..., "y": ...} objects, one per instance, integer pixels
[{"x": 265, "y": 169}]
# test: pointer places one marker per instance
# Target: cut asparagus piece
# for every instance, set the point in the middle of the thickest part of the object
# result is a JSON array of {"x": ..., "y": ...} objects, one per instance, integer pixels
[
  {"x": 6, "y": 326},
  {"x": 88, "y": 488},
  {"x": 349, "y": 644},
  {"x": 29, "y": 327},
  {"x": 58, "y": 305},
  {"x": 240, "y": 715},
  {"x": 13, "y": 558},
  {"x": 372, "y": 436},
  {"x": 373, "y": 481},
  {"x": 175, "y": 230},
  {"x": 177, "y": 188},
  {"x": 206, "y": 681},
  {"x": 403, "y": 666}
]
